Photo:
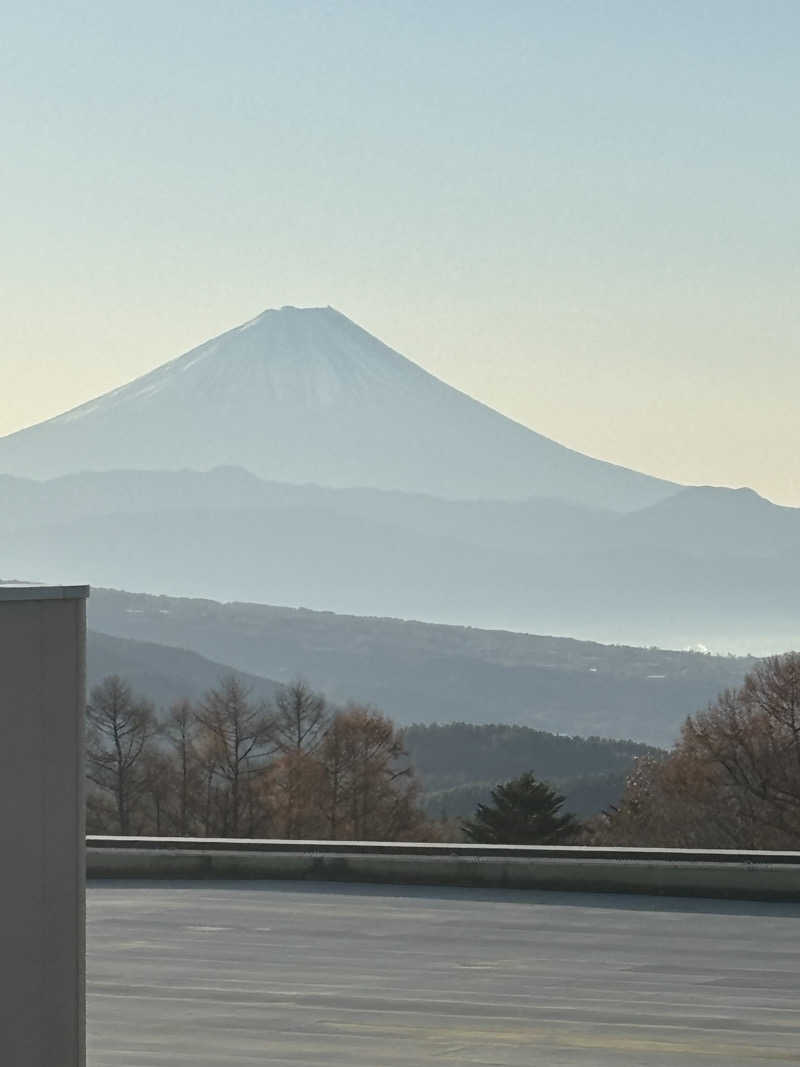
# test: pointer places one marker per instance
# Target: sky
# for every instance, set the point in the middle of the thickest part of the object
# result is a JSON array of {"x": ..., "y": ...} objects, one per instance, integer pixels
[{"x": 586, "y": 215}]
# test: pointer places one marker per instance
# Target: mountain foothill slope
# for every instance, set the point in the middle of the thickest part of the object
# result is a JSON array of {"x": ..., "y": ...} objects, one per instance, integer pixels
[
  {"x": 162, "y": 674},
  {"x": 421, "y": 672}
]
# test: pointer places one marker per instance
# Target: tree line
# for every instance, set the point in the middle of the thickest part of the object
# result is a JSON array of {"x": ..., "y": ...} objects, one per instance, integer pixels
[
  {"x": 298, "y": 768},
  {"x": 733, "y": 778},
  {"x": 228, "y": 766}
]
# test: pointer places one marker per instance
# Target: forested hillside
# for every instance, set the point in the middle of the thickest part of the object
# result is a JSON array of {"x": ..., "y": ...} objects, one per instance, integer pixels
[{"x": 459, "y": 763}]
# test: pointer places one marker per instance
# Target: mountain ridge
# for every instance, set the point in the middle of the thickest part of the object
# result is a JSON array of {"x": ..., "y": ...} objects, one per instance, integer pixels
[
  {"x": 163, "y": 674},
  {"x": 673, "y": 575},
  {"x": 425, "y": 672}
]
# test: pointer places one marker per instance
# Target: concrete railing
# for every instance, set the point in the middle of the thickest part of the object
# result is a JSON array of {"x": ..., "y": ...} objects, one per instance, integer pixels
[{"x": 677, "y": 872}]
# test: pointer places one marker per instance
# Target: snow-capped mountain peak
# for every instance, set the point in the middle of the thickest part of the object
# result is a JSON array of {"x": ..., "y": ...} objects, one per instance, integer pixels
[{"x": 306, "y": 395}]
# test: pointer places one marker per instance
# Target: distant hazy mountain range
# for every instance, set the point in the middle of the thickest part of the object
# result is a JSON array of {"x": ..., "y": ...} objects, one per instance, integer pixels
[
  {"x": 298, "y": 460},
  {"x": 711, "y": 566},
  {"x": 415, "y": 672},
  {"x": 306, "y": 395}
]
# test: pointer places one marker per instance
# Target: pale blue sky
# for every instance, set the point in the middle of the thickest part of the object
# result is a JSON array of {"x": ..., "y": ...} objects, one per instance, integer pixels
[{"x": 584, "y": 214}]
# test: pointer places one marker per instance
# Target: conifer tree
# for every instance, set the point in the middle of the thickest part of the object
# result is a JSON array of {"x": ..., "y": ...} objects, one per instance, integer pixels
[{"x": 523, "y": 811}]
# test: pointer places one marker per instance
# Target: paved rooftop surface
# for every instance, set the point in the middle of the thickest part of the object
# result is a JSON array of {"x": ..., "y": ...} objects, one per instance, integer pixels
[{"x": 216, "y": 974}]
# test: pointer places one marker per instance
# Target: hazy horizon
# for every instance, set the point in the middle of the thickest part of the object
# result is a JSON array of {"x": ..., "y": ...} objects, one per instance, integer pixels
[{"x": 584, "y": 217}]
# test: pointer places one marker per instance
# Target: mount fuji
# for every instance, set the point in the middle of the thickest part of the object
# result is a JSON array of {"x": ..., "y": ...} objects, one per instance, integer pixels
[{"x": 307, "y": 396}]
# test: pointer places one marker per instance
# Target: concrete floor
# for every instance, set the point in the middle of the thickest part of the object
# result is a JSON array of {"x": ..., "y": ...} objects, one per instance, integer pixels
[{"x": 212, "y": 974}]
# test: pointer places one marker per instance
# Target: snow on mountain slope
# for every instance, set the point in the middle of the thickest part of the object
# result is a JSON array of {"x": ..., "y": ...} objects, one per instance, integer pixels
[{"x": 306, "y": 395}]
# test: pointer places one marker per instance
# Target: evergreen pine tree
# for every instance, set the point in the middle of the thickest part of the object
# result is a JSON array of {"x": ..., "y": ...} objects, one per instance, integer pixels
[{"x": 523, "y": 811}]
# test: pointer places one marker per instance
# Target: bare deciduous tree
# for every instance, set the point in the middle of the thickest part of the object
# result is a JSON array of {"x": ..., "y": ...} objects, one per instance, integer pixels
[
  {"x": 160, "y": 781},
  {"x": 371, "y": 791},
  {"x": 301, "y": 721},
  {"x": 295, "y": 791},
  {"x": 120, "y": 732},
  {"x": 732, "y": 780},
  {"x": 240, "y": 742},
  {"x": 230, "y": 766},
  {"x": 180, "y": 733},
  {"x": 301, "y": 718}
]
